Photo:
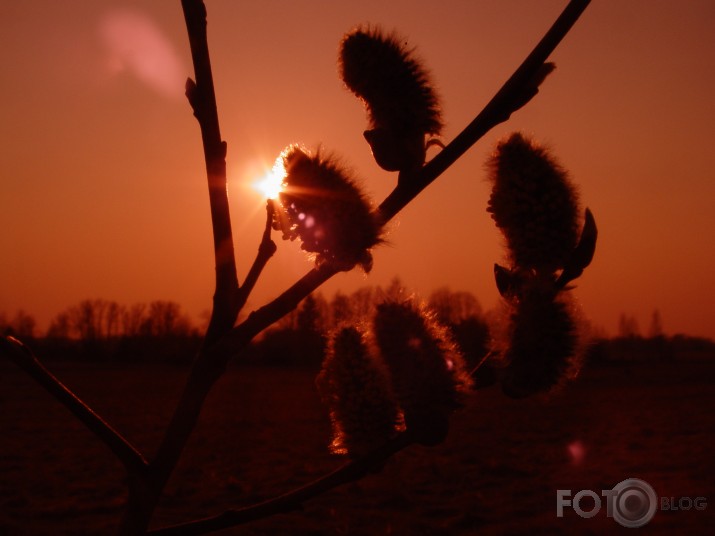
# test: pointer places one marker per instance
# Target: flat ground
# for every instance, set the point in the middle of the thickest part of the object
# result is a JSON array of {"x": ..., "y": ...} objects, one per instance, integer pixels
[{"x": 264, "y": 432}]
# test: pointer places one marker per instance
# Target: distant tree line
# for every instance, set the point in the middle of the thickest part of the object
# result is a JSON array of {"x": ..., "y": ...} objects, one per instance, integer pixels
[
  {"x": 160, "y": 331},
  {"x": 630, "y": 346},
  {"x": 299, "y": 338},
  {"x": 106, "y": 330}
]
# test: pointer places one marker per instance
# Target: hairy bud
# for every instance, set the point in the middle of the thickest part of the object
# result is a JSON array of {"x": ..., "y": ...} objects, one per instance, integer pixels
[
  {"x": 402, "y": 105},
  {"x": 355, "y": 386},
  {"x": 323, "y": 206},
  {"x": 427, "y": 370},
  {"x": 543, "y": 341},
  {"x": 534, "y": 204}
]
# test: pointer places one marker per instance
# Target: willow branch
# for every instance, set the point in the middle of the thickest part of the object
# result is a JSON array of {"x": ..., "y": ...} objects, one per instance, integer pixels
[
  {"x": 266, "y": 250},
  {"x": 292, "y": 500},
  {"x": 514, "y": 94},
  {"x": 263, "y": 317},
  {"x": 202, "y": 97},
  {"x": 218, "y": 349},
  {"x": 23, "y": 357}
]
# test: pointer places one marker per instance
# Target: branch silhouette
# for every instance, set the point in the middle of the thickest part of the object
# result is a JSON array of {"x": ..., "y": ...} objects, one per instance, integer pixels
[
  {"x": 514, "y": 94},
  {"x": 223, "y": 339},
  {"x": 24, "y": 358},
  {"x": 202, "y": 98},
  {"x": 349, "y": 472}
]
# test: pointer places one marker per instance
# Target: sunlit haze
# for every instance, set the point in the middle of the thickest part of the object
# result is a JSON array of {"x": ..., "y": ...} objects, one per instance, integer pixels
[
  {"x": 104, "y": 190},
  {"x": 271, "y": 184}
]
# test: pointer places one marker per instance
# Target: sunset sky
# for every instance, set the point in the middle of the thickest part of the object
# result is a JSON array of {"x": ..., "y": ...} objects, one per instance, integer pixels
[{"x": 102, "y": 185}]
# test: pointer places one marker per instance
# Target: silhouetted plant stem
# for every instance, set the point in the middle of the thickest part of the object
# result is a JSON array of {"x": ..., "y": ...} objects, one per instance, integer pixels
[
  {"x": 223, "y": 340},
  {"x": 144, "y": 493},
  {"x": 514, "y": 94},
  {"x": 292, "y": 500},
  {"x": 202, "y": 97},
  {"x": 266, "y": 250},
  {"x": 23, "y": 357}
]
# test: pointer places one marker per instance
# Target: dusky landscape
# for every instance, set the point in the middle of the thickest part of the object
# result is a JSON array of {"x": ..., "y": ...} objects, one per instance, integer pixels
[
  {"x": 639, "y": 408},
  {"x": 264, "y": 432}
]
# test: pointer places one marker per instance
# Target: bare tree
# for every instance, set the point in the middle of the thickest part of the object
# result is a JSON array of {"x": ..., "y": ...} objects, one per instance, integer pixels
[
  {"x": 22, "y": 325},
  {"x": 340, "y": 310},
  {"x": 112, "y": 320},
  {"x": 453, "y": 307},
  {"x": 60, "y": 327},
  {"x": 628, "y": 326},
  {"x": 133, "y": 319},
  {"x": 340, "y": 232},
  {"x": 656, "y": 325},
  {"x": 165, "y": 319}
]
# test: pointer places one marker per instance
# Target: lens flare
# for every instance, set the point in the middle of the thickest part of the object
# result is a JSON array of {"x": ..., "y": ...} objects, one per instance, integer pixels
[
  {"x": 272, "y": 182},
  {"x": 577, "y": 451},
  {"x": 136, "y": 44}
]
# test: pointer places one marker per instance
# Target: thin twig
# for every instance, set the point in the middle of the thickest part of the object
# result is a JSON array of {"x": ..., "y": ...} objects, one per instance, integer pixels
[
  {"x": 263, "y": 317},
  {"x": 513, "y": 94},
  {"x": 266, "y": 250},
  {"x": 202, "y": 97},
  {"x": 509, "y": 98},
  {"x": 23, "y": 357},
  {"x": 495, "y": 112},
  {"x": 292, "y": 500},
  {"x": 218, "y": 348}
]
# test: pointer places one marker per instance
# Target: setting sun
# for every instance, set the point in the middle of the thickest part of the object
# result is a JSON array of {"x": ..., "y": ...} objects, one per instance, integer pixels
[{"x": 272, "y": 182}]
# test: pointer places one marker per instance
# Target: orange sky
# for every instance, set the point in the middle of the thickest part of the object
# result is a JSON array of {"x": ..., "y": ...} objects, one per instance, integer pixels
[{"x": 101, "y": 169}]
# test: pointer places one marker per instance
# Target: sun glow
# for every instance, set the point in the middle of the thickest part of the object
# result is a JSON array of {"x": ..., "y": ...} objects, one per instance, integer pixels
[{"x": 272, "y": 182}]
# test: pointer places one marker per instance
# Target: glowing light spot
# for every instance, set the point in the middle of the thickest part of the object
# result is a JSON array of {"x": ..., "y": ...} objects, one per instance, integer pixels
[
  {"x": 309, "y": 222},
  {"x": 272, "y": 183},
  {"x": 136, "y": 44},
  {"x": 577, "y": 451}
]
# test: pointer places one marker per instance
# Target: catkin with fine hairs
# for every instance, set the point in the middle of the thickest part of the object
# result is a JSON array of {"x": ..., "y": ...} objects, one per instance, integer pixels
[
  {"x": 327, "y": 210},
  {"x": 354, "y": 384},
  {"x": 534, "y": 203},
  {"x": 394, "y": 86},
  {"x": 426, "y": 367}
]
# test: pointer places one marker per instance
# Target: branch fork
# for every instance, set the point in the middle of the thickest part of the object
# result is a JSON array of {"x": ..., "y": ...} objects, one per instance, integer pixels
[{"x": 148, "y": 478}]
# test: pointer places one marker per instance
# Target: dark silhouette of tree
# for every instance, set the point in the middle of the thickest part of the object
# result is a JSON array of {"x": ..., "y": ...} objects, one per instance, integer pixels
[
  {"x": 453, "y": 307},
  {"x": 628, "y": 326},
  {"x": 165, "y": 319},
  {"x": 656, "y": 325},
  {"x": 340, "y": 310},
  {"x": 395, "y": 291},
  {"x": 362, "y": 302},
  {"x": 322, "y": 206},
  {"x": 112, "y": 320},
  {"x": 87, "y": 319},
  {"x": 461, "y": 313},
  {"x": 310, "y": 319},
  {"x": 133, "y": 319},
  {"x": 60, "y": 327},
  {"x": 22, "y": 325}
]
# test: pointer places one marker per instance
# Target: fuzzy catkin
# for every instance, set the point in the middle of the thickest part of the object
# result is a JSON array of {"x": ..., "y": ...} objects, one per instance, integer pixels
[
  {"x": 427, "y": 370},
  {"x": 355, "y": 386},
  {"x": 534, "y": 204},
  {"x": 327, "y": 210},
  {"x": 393, "y": 84},
  {"x": 543, "y": 341}
]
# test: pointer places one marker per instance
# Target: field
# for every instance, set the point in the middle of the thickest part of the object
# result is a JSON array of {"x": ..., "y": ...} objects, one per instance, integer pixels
[{"x": 264, "y": 432}]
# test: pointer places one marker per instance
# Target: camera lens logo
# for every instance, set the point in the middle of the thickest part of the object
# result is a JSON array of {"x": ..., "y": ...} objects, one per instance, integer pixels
[{"x": 632, "y": 503}]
